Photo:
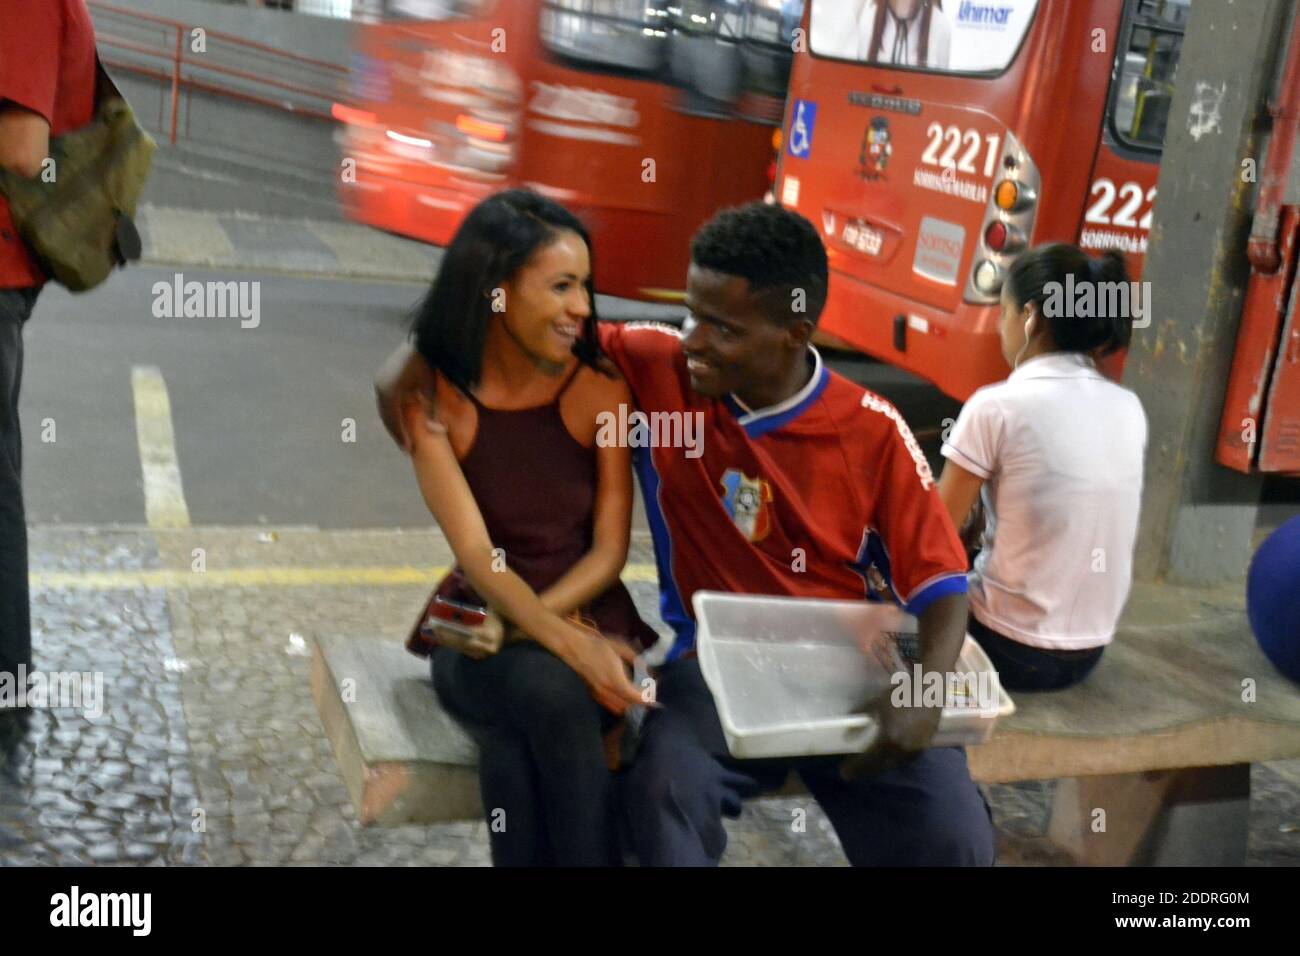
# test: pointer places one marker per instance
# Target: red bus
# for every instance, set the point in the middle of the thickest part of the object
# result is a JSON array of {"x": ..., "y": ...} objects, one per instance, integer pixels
[
  {"x": 933, "y": 140},
  {"x": 642, "y": 116}
]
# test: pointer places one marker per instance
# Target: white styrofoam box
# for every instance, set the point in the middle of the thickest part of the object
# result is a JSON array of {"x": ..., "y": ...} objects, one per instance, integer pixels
[{"x": 787, "y": 673}]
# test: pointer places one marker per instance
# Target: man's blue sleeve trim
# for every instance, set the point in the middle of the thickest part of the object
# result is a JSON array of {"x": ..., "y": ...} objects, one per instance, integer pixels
[{"x": 953, "y": 584}]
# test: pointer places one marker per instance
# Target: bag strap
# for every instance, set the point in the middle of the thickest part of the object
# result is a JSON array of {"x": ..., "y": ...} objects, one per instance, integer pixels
[{"x": 105, "y": 88}]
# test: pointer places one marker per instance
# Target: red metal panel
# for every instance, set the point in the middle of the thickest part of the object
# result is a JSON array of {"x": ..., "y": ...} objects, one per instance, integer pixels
[
  {"x": 1253, "y": 367},
  {"x": 1280, "y": 448}
]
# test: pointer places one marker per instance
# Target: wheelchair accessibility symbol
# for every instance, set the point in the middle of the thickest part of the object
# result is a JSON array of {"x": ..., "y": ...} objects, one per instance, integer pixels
[{"x": 802, "y": 125}]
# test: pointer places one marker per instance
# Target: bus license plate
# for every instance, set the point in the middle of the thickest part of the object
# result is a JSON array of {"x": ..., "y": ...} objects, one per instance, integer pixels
[{"x": 864, "y": 238}]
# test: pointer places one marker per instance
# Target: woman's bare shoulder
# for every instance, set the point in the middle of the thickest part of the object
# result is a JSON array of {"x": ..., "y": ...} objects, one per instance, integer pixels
[
  {"x": 599, "y": 390},
  {"x": 449, "y": 399},
  {"x": 591, "y": 396}
]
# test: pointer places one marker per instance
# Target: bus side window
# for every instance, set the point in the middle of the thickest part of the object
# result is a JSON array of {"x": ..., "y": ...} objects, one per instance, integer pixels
[
  {"x": 768, "y": 49},
  {"x": 704, "y": 55},
  {"x": 1148, "y": 63},
  {"x": 624, "y": 35}
]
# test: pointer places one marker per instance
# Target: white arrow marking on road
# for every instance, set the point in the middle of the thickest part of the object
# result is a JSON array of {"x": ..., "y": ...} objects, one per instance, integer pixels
[{"x": 164, "y": 498}]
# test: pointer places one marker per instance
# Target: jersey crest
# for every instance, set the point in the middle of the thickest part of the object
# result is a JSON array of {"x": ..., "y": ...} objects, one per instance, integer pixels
[{"x": 747, "y": 500}]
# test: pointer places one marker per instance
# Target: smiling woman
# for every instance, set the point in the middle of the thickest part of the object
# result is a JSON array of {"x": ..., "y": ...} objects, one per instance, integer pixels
[{"x": 537, "y": 512}]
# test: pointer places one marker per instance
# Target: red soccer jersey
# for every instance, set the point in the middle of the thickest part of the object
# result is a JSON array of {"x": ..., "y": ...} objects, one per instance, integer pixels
[
  {"x": 826, "y": 495},
  {"x": 47, "y": 65}
]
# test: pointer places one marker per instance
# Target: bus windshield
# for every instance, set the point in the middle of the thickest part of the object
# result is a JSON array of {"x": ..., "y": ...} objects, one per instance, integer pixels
[{"x": 941, "y": 36}]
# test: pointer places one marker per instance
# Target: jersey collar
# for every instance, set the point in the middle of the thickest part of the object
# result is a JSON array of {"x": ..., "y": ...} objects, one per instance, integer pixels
[{"x": 760, "y": 421}]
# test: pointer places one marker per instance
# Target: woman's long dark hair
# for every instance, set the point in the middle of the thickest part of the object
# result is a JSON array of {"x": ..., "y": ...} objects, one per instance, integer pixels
[
  {"x": 495, "y": 241},
  {"x": 1031, "y": 279}
]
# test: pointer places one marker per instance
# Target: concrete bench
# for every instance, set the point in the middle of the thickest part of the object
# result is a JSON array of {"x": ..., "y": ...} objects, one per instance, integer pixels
[{"x": 1152, "y": 752}]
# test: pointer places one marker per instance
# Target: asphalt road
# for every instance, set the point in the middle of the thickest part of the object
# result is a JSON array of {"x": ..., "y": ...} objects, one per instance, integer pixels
[{"x": 259, "y": 414}]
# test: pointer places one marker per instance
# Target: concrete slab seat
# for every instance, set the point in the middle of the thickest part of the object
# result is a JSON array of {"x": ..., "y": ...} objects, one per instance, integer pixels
[{"x": 1152, "y": 752}]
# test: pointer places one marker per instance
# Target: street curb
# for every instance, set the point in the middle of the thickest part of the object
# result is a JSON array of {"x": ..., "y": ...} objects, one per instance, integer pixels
[{"x": 174, "y": 236}]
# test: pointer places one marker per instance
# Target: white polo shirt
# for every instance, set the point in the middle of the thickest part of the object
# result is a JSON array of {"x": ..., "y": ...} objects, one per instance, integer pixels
[{"x": 1060, "y": 448}]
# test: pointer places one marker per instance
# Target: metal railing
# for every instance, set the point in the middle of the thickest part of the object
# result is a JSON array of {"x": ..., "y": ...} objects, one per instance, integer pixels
[{"x": 228, "y": 66}]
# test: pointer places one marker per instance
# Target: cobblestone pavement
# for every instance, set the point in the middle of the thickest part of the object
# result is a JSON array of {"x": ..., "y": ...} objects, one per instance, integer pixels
[{"x": 209, "y": 748}]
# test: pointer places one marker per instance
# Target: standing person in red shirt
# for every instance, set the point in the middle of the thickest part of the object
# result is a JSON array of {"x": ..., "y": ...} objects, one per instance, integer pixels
[{"x": 47, "y": 89}]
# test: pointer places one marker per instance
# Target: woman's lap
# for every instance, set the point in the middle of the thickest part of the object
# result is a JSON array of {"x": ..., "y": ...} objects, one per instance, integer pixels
[
  {"x": 1024, "y": 668},
  {"x": 542, "y": 766}
]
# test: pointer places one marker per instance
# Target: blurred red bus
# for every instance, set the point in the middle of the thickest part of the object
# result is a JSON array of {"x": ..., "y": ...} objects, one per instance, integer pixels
[
  {"x": 934, "y": 140},
  {"x": 642, "y": 116}
]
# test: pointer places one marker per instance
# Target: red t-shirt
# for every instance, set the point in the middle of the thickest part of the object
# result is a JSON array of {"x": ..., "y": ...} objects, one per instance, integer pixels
[{"x": 47, "y": 65}]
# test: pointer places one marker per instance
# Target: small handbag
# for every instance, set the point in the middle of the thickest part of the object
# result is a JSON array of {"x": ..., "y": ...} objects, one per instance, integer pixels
[
  {"x": 453, "y": 587},
  {"x": 79, "y": 224},
  {"x": 620, "y": 736}
]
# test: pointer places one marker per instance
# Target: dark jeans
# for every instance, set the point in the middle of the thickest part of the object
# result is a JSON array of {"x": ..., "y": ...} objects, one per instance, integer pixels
[
  {"x": 926, "y": 813},
  {"x": 1021, "y": 667},
  {"x": 547, "y": 790},
  {"x": 15, "y": 611}
]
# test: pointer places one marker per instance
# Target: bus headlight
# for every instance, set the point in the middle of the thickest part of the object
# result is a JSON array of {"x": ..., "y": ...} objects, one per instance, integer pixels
[{"x": 988, "y": 277}]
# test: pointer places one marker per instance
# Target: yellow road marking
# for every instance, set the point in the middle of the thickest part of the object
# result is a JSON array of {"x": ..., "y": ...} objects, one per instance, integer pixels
[
  {"x": 287, "y": 577},
  {"x": 164, "y": 498}
]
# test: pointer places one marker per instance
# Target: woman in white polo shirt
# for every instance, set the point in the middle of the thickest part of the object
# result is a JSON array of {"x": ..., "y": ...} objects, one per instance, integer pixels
[{"x": 1055, "y": 452}]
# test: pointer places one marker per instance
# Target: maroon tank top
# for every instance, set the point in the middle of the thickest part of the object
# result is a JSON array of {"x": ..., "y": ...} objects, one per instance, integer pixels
[{"x": 535, "y": 485}]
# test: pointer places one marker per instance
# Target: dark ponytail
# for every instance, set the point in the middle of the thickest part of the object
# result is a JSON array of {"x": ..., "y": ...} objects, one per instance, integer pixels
[{"x": 1088, "y": 303}]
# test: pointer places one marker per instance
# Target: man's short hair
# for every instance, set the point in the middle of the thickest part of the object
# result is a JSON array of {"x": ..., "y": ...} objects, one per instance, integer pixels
[{"x": 776, "y": 250}]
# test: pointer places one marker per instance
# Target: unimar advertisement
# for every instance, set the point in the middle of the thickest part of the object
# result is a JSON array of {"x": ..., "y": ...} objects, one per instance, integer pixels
[{"x": 954, "y": 36}]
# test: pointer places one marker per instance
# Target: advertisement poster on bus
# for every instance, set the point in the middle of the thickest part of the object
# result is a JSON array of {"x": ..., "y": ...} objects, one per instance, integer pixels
[{"x": 953, "y": 36}]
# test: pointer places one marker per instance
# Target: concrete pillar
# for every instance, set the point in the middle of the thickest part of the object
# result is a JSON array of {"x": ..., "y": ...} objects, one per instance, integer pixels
[{"x": 1197, "y": 516}]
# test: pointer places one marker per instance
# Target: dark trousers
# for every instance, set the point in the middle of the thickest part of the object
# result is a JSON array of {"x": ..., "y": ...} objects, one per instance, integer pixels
[
  {"x": 1021, "y": 667},
  {"x": 926, "y": 813},
  {"x": 546, "y": 787},
  {"x": 15, "y": 611}
]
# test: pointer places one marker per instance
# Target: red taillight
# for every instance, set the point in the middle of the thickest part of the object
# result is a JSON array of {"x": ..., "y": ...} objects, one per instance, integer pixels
[
  {"x": 995, "y": 236},
  {"x": 352, "y": 116},
  {"x": 771, "y": 174}
]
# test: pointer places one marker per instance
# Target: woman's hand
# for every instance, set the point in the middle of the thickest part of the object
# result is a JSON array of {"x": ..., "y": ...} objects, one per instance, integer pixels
[
  {"x": 603, "y": 664},
  {"x": 474, "y": 642}
]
